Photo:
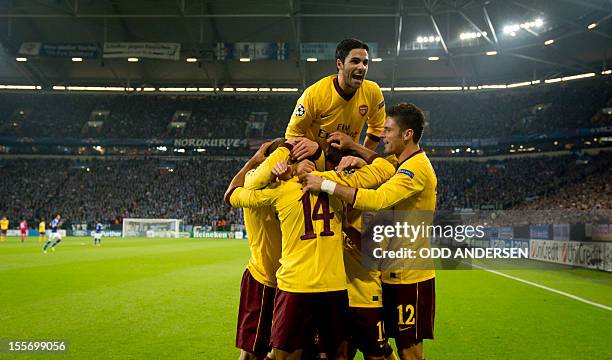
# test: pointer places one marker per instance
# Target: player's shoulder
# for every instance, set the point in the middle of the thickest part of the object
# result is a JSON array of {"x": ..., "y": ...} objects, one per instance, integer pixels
[
  {"x": 322, "y": 85},
  {"x": 370, "y": 85}
]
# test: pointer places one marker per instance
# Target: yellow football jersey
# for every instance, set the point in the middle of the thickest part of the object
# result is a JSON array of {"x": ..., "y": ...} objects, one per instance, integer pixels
[
  {"x": 324, "y": 108},
  {"x": 262, "y": 226},
  {"x": 311, "y": 225},
  {"x": 4, "y": 224},
  {"x": 41, "y": 226},
  {"x": 412, "y": 188},
  {"x": 364, "y": 285}
]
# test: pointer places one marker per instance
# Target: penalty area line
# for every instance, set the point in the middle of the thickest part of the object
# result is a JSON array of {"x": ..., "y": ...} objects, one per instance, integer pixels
[{"x": 571, "y": 296}]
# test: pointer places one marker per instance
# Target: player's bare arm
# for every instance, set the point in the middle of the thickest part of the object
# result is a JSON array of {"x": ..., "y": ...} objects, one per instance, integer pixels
[{"x": 342, "y": 141}]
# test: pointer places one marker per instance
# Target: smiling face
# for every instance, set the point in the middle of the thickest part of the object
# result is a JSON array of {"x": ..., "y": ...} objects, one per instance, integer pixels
[
  {"x": 393, "y": 138},
  {"x": 354, "y": 68}
]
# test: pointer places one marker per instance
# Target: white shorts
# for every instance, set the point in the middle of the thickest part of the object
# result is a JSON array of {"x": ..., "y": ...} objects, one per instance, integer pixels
[
  {"x": 97, "y": 236},
  {"x": 56, "y": 235}
]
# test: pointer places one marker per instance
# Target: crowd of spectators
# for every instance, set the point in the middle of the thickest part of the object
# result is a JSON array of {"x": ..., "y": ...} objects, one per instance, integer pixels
[
  {"x": 101, "y": 190},
  {"x": 84, "y": 191},
  {"x": 455, "y": 115}
]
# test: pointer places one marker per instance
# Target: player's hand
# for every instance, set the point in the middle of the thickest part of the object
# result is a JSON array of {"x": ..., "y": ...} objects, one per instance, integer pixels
[
  {"x": 311, "y": 183},
  {"x": 350, "y": 162},
  {"x": 282, "y": 170},
  {"x": 304, "y": 167},
  {"x": 340, "y": 140},
  {"x": 260, "y": 154},
  {"x": 304, "y": 148}
]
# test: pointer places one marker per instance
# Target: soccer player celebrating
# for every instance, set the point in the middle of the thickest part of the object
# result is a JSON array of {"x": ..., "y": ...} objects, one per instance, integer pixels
[
  {"x": 341, "y": 102},
  {"x": 41, "y": 230},
  {"x": 23, "y": 228},
  {"x": 4, "y": 224},
  {"x": 258, "y": 287},
  {"x": 98, "y": 234},
  {"x": 408, "y": 294},
  {"x": 55, "y": 234},
  {"x": 311, "y": 280}
]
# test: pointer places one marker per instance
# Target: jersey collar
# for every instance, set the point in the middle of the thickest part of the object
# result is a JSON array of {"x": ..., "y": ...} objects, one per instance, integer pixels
[
  {"x": 408, "y": 158},
  {"x": 341, "y": 92}
]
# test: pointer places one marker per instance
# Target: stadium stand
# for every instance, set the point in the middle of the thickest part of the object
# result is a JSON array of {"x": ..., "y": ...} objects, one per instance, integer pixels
[
  {"x": 85, "y": 191},
  {"x": 451, "y": 115}
]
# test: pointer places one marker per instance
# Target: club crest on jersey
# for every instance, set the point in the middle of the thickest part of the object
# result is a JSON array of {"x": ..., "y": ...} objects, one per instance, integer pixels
[
  {"x": 363, "y": 109},
  {"x": 300, "y": 110}
]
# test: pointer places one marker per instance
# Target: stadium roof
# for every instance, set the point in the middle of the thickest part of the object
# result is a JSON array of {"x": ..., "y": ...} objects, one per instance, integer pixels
[{"x": 515, "y": 53}]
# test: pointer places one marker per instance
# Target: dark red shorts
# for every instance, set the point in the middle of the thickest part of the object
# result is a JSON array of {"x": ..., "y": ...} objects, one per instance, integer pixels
[
  {"x": 367, "y": 331},
  {"x": 254, "y": 315},
  {"x": 298, "y": 316},
  {"x": 3, "y": 232},
  {"x": 42, "y": 233},
  {"x": 409, "y": 311}
]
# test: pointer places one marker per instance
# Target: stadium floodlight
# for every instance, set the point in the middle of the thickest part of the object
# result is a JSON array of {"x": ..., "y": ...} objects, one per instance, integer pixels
[
  {"x": 191, "y": 60},
  {"x": 549, "y": 42},
  {"x": 228, "y": 89},
  {"x": 376, "y": 59},
  {"x": 284, "y": 89},
  {"x": 471, "y": 35},
  {"x": 606, "y": 72},
  {"x": 21, "y": 59},
  {"x": 385, "y": 89},
  {"x": 161, "y": 148},
  {"x": 512, "y": 29},
  {"x": 133, "y": 59},
  {"x": 312, "y": 59},
  {"x": 264, "y": 89},
  {"x": 245, "y": 59},
  {"x": 592, "y": 26},
  {"x": 172, "y": 89},
  {"x": 428, "y": 39},
  {"x": 77, "y": 59},
  {"x": 433, "y": 58},
  {"x": 491, "y": 53},
  {"x": 206, "y": 89}
]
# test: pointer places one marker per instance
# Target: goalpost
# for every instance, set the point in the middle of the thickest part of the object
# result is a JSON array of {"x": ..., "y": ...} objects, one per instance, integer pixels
[{"x": 151, "y": 227}]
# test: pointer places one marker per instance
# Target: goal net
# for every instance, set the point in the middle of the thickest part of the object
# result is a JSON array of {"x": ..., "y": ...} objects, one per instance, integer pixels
[{"x": 151, "y": 227}]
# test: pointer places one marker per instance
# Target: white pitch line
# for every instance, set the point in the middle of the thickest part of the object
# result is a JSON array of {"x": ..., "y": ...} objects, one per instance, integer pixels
[{"x": 546, "y": 288}]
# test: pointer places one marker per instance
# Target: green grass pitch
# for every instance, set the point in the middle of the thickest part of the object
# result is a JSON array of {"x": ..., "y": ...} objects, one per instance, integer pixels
[{"x": 177, "y": 299}]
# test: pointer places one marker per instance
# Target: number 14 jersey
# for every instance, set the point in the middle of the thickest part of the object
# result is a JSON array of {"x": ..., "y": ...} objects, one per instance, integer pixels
[{"x": 311, "y": 225}]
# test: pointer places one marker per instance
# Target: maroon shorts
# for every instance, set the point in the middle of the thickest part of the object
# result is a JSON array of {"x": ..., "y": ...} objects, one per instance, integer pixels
[
  {"x": 23, "y": 232},
  {"x": 299, "y": 316},
  {"x": 367, "y": 331},
  {"x": 254, "y": 315},
  {"x": 409, "y": 311}
]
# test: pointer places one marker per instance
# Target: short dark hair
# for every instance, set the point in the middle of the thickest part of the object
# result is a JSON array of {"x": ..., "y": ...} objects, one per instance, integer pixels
[
  {"x": 345, "y": 46},
  {"x": 334, "y": 155},
  {"x": 408, "y": 116}
]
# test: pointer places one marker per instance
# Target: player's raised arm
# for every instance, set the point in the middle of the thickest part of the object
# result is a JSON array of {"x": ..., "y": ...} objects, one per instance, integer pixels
[
  {"x": 262, "y": 175},
  {"x": 342, "y": 141},
  {"x": 368, "y": 177},
  {"x": 252, "y": 163}
]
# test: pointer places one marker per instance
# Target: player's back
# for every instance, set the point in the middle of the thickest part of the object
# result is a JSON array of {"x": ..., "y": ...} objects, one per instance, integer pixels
[
  {"x": 4, "y": 224},
  {"x": 311, "y": 225},
  {"x": 263, "y": 229}
]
